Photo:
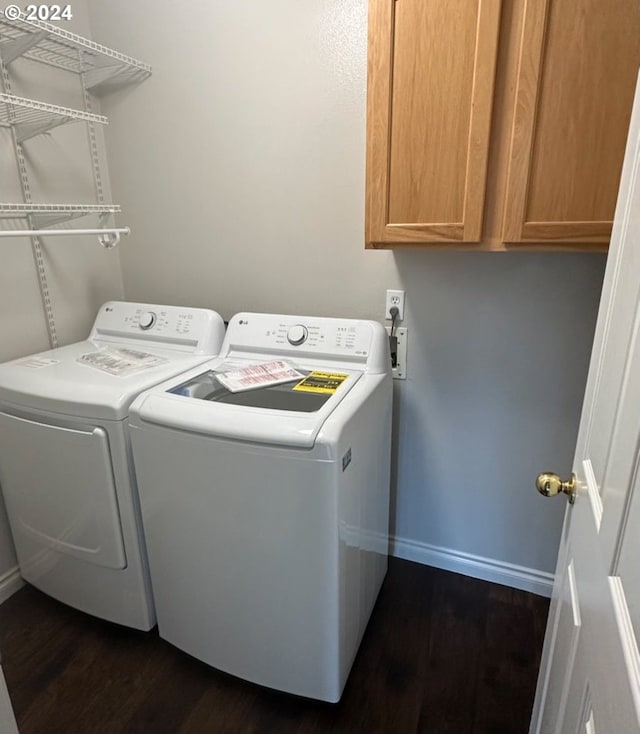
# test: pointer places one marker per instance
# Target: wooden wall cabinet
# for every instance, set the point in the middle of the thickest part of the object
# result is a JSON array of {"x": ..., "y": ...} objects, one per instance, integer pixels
[{"x": 497, "y": 123}]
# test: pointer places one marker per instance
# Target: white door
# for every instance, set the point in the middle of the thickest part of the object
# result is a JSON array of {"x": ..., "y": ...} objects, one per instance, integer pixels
[{"x": 590, "y": 674}]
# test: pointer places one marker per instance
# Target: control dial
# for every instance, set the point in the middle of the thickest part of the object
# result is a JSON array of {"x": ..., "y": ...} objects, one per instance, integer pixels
[
  {"x": 297, "y": 335},
  {"x": 147, "y": 320}
]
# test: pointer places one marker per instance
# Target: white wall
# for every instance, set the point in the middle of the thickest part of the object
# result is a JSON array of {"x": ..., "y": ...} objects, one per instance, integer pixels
[
  {"x": 80, "y": 274},
  {"x": 240, "y": 165}
]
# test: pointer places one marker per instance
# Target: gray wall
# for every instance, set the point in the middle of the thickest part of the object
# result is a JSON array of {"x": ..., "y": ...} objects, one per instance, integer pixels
[
  {"x": 81, "y": 275},
  {"x": 241, "y": 166}
]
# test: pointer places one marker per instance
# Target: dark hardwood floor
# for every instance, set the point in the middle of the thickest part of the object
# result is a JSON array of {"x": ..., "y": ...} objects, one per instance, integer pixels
[{"x": 443, "y": 654}]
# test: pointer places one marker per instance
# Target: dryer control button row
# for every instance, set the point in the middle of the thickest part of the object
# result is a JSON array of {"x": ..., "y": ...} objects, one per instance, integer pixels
[{"x": 297, "y": 335}]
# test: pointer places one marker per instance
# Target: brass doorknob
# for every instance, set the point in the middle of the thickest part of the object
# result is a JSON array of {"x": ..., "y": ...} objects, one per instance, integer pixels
[{"x": 550, "y": 485}]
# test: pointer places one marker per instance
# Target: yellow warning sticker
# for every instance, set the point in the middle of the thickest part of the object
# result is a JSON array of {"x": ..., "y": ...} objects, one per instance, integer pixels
[{"x": 321, "y": 382}]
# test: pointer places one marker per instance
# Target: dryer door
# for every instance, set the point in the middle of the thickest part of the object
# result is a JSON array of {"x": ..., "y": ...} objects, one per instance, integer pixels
[{"x": 59, "y": 490}]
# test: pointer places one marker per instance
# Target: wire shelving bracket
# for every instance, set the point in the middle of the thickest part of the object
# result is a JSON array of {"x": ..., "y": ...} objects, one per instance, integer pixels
[{"x": 98, "y": 68}]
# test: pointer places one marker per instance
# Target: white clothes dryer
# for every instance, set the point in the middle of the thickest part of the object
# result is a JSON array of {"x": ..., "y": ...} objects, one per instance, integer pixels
[
  {"x": 65, "y": 455},
  {"x": 266, "y": 510}
]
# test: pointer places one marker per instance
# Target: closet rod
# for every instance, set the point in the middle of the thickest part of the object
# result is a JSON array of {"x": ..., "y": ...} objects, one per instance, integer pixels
[{"x": 108, "y": 237}]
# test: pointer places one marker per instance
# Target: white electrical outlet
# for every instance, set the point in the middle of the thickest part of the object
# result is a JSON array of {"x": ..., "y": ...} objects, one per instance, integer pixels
[
  {"x": 399, "y": 370},
  {"x": 394, "y": 298}
]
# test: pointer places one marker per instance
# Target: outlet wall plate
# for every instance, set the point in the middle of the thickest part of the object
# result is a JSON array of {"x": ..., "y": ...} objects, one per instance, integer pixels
[
  {"x": 399, "y": 372},
  {"x": 394, "y": 298}
]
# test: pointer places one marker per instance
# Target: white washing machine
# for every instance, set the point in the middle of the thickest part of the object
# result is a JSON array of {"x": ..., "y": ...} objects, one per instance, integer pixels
[
  {"x": 266, "y": 511},
  {"x": 65, "y": 457}
]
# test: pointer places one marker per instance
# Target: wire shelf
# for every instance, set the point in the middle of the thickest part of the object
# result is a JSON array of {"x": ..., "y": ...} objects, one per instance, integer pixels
[
  {"x": 54, "y": 46},
  {"x": 35, "y": 220},
  {"x": 46, "y": 215},
  {"x": 30, "y": 117}
]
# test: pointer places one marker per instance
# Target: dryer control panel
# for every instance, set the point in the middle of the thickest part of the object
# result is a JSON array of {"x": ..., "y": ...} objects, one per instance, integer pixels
[
  {"x": 352, "y": 340},
  {"x": 196, "y": 330}
]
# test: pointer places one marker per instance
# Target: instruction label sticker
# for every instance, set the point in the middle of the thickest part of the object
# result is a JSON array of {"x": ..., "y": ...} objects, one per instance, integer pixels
[
  {"x": 321, "y": 382},
  {"x": 36, "y": 362},
  {"x": 120, "y": 361}
]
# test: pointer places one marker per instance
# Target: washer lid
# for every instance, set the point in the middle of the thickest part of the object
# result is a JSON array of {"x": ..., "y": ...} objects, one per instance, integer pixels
[
  {"x": 289, "y": 414},
  {"x": 74, "y": 380}
]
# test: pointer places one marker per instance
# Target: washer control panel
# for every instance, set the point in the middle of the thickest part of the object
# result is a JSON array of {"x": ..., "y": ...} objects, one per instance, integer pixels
[
  {"x": 194, "y": 328},
  {"x": 291, "y": 335}
]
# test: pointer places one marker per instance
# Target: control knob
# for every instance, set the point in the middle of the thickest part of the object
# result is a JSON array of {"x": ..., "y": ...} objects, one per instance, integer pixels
[
  {"x": 297, "y": 335},
  {"x": 147, "y": 320}
]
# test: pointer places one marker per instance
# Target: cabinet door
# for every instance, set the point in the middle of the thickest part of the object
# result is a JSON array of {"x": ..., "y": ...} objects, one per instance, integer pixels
[
  {"x": 577, "y": 72},
  {"x": 430, "y": 90}
]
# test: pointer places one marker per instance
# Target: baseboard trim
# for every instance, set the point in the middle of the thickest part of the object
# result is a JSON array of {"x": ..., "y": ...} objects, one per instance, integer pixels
[
  {"x": 479, "y": 567},
  {"x": 10, "y": 582}
]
